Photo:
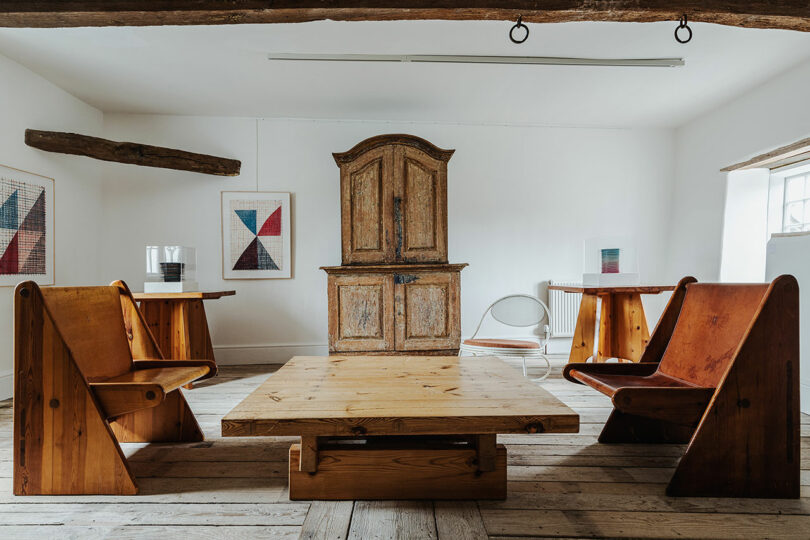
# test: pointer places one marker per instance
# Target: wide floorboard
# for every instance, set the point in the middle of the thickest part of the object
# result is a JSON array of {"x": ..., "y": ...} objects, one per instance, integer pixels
[{"x": 559, "y": 486}]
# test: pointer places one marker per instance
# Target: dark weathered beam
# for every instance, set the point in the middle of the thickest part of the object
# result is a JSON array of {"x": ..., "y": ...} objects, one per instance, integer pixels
[
  {"x": 785, "y": 14},
  {"x": 132, "y": 153}
]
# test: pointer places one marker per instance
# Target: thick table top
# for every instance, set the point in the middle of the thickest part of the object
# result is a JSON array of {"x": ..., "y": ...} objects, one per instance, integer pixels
[
  {"x": 397, "y": 395},
  {"x": 208, "y": 295},
  {"x": 627, "y": 289}
]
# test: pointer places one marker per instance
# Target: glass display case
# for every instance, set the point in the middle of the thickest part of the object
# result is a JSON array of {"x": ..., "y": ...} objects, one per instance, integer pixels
[
  {"x": 610, "y": 262},
  {"x": 170, "y": 269}
]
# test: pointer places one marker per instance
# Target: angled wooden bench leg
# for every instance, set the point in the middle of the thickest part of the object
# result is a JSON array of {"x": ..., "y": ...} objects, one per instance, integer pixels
[
  {"x": 171, "y": 421},
  {"x": 62, "y": 443},
  {"x": 630, "y": 428},
  {"x": 748, "y": 442}
]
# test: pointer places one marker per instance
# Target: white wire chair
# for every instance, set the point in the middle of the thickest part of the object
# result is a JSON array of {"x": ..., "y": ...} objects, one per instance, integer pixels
[{"x": 518, "y": 310}]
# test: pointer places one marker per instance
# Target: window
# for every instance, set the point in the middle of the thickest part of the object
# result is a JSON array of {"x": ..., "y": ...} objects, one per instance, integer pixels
[
  {"x": 789, "y": 199},
  {"x": 796, "y": 205}
]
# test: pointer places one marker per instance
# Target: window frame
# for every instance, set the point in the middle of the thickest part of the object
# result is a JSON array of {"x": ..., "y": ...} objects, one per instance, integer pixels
[{"x": 778, "y": 197}]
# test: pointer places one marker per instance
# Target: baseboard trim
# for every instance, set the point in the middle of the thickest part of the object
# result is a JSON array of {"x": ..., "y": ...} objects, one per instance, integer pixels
[
  {"x": 6, "y": 384},
  {"x": 278, "y": 353}
]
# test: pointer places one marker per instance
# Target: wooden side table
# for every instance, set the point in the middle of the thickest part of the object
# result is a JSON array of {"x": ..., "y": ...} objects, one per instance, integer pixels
[
  {"x": 623, "y": 331},
  {"x": 178, "y": 322}
]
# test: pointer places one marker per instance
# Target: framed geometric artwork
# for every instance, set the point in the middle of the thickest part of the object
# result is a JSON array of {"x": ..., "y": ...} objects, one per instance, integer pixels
[
  {"x": 26, "y": 227},
  {"x": 255, "y": 235}
]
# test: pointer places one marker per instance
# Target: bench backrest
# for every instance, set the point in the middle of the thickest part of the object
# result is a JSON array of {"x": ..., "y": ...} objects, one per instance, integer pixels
[
  {"x": 92, "y": 324},
  {"x": 713, "y": 321}
]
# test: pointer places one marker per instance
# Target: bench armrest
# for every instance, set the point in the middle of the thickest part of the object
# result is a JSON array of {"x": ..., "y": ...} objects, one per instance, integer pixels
[
  {"x": 640, "y": 370},
  {"x": 158, "y": 363},
  {"x": 117, "y": 398}
]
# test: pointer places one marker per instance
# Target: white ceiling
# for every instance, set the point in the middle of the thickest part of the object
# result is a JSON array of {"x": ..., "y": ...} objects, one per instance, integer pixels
[{"x": 224, "y": 71}]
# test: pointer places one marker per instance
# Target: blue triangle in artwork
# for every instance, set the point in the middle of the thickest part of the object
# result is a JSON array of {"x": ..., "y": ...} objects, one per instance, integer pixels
[
  {"x": 248, "y": 217},
  {"x": 8, "y": 213},
  {"x": 264, "y": 260}
]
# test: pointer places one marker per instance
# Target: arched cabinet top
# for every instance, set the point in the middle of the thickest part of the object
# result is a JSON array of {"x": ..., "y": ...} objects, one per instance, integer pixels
[{"x": 396, "y": 138}]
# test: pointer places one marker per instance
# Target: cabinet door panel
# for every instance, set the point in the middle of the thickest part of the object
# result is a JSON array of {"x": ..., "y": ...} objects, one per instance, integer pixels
[
  {"x": 361, "y": 313},
  {"x": 427, "y": 311},
  {"x": 421, "y": 207},
  {"x": 367, "y": 208}
]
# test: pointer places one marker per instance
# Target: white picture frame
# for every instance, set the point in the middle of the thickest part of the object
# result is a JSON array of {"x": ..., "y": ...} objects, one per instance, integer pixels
[
  {"x": 256, "y": 235},
  {"x": 26, "y": 227}
]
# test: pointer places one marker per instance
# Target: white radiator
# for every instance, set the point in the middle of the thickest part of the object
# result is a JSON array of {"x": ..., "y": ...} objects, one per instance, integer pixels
[{"x": 564, "y": 309}]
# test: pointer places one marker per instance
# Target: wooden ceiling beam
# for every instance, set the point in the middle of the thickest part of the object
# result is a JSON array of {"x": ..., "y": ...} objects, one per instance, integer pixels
[
  {"x": 131, "y": 153},
  {"x": 785, "y": 155},
  {"x": 783, "y": 14}
]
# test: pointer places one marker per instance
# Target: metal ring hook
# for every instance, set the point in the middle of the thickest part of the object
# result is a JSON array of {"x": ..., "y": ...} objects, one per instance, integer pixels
[
  {"x": 519, "y": 24},
  {"x": 683, "y": 24}
]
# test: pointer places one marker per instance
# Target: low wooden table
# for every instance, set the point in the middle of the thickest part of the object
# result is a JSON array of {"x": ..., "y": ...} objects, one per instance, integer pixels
[
  {"x": 178, "y": 322},
  {"x": 414, "y": 427},
  {"x": 623, "y": 331}
]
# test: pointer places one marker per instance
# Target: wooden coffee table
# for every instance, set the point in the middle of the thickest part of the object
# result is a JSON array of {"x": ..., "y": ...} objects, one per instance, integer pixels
[{"x": 375, "y": 427}]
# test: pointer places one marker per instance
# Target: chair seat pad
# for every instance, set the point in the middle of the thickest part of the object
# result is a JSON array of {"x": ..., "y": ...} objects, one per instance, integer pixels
[
  {"x": 502, "y": 343},
  {"x": 168, "y": 378},
  {"x": 609, "y": 384}
]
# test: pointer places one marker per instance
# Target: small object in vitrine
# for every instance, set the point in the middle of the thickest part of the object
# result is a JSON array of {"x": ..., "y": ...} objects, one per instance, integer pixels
[
  {"x": 610, "y": 261},
  {"x": 170, "y": 269}
]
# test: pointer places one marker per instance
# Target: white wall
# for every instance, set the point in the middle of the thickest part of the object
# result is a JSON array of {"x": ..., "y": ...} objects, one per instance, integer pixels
[
  {"x": 521, "y": 202},
  {"x": 745, "y": 226},
  {"x": 29, "y": 101},
  {"x": 770, "y": 116}
]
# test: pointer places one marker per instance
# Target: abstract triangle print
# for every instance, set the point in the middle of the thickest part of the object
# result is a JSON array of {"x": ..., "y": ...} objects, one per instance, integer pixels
[
  {"x": 26, "y": 243},
  {"x": 35, "y": 263},
  {"x": 272, "y": 227},
  {"x": 255, "y": 235},
  {"x": 26, "y": 223},
  {"x": 249, "y": 260},
  {"x": 248, "y": 217},
  {"x": 9, "y": 261},
  {"x": 8, "y": 212},
  {"x": 35, "y": 220},
  {"x": 265, "y": 262}
]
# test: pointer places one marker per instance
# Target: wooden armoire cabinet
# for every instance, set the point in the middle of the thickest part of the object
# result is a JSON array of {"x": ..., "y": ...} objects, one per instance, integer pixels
[
  {"x": 395, "y": 292},
  {"x": 393, "y": 201}
]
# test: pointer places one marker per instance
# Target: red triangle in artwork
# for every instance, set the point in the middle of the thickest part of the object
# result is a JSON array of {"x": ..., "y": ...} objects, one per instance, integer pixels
[
  {"x": 9, "y": 262},
  {"x": 272, "y": 227}
]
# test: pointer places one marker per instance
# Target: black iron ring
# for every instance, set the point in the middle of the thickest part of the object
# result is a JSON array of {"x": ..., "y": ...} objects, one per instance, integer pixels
[
  {"x": 519, "y": 24},
  {"x": 683, "y": 24}
]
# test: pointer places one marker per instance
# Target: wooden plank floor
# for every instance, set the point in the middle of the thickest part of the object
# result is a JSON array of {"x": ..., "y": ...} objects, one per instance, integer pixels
[{"x": 559, "y": 486}]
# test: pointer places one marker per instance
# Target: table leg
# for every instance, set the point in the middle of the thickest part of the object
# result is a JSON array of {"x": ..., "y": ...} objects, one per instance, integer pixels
[
  {"x": 157, "y": 315},
  {"x": 400, "y": 467},
  {"x": 180, "y": 344},
  {"x": 623, "y": 331},
  {"x": 582, "y": 345},
  {"x": 180, "y": 328},
  {"x": 309, "y": 454},
  {"x": 487, "y": 447},
  {"x": 199, "y": 338}
]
